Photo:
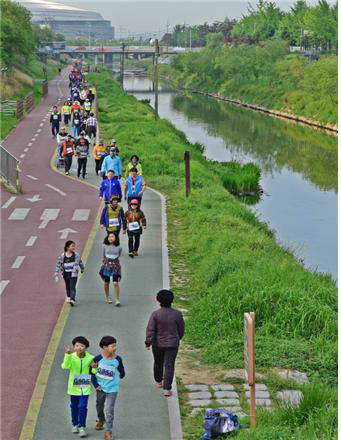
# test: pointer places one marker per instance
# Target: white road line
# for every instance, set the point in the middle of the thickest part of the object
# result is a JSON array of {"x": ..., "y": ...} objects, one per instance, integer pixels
[
  {"x": 33, "y": 139},
  {"x": 19, "y": 214},
  {"x": 38, "y": 131},
  {"x": 22, "y": 155},
  {"x": 26, "y": 150},
  {"x": 81, "y": 215},
  {"x": 40, "y": 125},
  {"x": 3, "y": 284},
  {"x": 18, "y": 262},
  {"x": 56, "y": 189},
  {"x": 48, "y": 215},
  {"x": 31, "y": 177},
  {"x": 31, "y": 240},
  {"x": 9, "y": 202},
  {"x": 29, "y": 144}
]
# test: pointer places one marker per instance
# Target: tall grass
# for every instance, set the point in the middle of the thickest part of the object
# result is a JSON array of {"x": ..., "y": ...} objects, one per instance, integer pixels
[{"x": 233, "y": 263}]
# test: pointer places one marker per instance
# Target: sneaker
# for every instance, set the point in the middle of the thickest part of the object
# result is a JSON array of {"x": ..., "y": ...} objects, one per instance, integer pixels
[
  {"x": 72, "y": 302},
  {"x": 99, "y": 425},
  {"x": 131, "y": 254},
  {"x": 117, "y": 303},
  {"x": 75, "y": 430},
  {"x": 135, "y": 254},
  {"x": 108, "y": 436},
  {"x": 66, "y": 173},
  {"x": 108, "y": 301},
  {"x": 159, "y": 384},
  {"x": 167, "y": 393},
  {"x": 67, "y": 299},
  {"x": 82, "y": 432}
]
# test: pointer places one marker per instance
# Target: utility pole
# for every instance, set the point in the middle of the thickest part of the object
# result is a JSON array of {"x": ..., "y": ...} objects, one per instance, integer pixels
[
  {"x": 156, "y": 77},
  {"x": 122, "y": 64},
  {"x": 190, "y": 38},
  {"x": 167, "y": 35}
]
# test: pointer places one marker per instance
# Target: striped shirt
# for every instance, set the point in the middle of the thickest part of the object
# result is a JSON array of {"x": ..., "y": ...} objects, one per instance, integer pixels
[{"x": 91, "y": 121}]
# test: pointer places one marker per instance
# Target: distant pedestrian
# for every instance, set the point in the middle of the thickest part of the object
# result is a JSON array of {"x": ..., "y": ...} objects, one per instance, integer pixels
[
  {"x": 68, "y": 265},
  {"x": 91, "y": 125},
  {"x": 76, "y": 123},
  {"x": 164, "y": 331},
  {"x": 111, "y": 267},
  {"x": 134, "y": 221},
  {"x": 66, "y": 112},
  {"x": 135, "y": 187},
  {"x": 68, "y": 153},
  {"x": 99, "y": 154},
  {"x": 112, "y": 216},
  {"x": 81, "y": 364},
  {"x": 112, "y": 162},
  {"x": 82, "y": 151},
  {"x": 55, "y": 119},
  {"x": 107, "y": 382},
  {"x": 134, "y": 163}
]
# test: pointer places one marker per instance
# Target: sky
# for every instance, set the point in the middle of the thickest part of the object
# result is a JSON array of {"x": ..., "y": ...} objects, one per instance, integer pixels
[{"x": 155, "y": 17}]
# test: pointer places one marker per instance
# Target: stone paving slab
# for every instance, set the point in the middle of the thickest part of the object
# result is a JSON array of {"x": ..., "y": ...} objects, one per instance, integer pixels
[
  {"x": 200, "y": 395},
  {"x": 259, "y": 394},
  {"x": 227, "y": 394},
  {"x": 290, "y": 397},
  {"x": 229, "y": 402},
  {"x": 196, "y": 387},
  {"x": 261, "y": 402},
  {"x": 223, "y": 387},
  {"x": 297, "y": 376},
  {"x": 201, "y": 402},
  {"x": 259, "y": 386}
]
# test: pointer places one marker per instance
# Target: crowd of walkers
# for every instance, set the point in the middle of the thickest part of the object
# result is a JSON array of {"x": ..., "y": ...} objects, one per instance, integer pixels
[{"x": 166, "y": 325}]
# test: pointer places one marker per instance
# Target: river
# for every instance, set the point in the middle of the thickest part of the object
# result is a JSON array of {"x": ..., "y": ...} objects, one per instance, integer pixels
[{"x": 298, "y": 164}]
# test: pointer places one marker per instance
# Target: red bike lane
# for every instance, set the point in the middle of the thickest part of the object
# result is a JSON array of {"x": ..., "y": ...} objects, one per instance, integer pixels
[{"x": 34, "y": 228}]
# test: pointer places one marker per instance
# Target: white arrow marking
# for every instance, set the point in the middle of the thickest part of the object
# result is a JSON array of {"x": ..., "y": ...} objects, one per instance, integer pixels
[
  {"x": 18, "y": 261},
  {"x": 3, "y": 284},
  {"x": 35, "y": 198},
  {"x": 65, "y": 232},
  {"x": 31, "y": 177},
  {"x": 19, "y": 214},
  {"x": 9, "y": 202},
  {"x": 31, "y": 240},
  {"x": 48, "y": 215},
  {"x": 56, "y": 189},
  {"x": 81, "y": 215}
]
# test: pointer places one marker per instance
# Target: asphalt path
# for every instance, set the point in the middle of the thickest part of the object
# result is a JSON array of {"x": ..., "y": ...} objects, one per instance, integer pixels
[{"x": 32, "y": 225}]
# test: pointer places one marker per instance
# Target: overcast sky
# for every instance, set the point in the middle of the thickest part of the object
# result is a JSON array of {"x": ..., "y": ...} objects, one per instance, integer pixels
[{"x": 139, "y": 16}]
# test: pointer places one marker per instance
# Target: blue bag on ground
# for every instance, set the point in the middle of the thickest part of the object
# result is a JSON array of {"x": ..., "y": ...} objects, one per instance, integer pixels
[{"x": 219, "y": 421}]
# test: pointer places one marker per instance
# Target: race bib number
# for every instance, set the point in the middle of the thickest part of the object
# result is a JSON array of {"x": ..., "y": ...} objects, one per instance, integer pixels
[
  {"x": 133, "y": 226},
  {"x": 76, "y": 121},
  {"x": 82, "y": 381},
  {"x": 68, "y": 267},
  {"x": 114, "y": 222},
  {"x": 106, "y": 372},
  {"x": 55, "y": 116},
  {"x": 68, "y": 150},
  {"x": 101, "y": 154}
]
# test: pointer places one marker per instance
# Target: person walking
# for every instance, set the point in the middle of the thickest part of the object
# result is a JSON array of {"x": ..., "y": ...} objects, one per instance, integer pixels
[
  {"x": 99, "y": 154},
  {"x": 81, "y": 365},
  {"x": 112, "y": 162},
  {"x": 91, "y": 125},
  {"x": 82, "y": 151},
  {"x": 87, "y": 106},
  {"x": 164, "y": 331},
  {"x": 68, "y": 153},
  {"x": 134, "y": 221},
  {"x": 135, "y": 187},
  {"x": 76, "y": 123},
  {"x": 111, "y": 267},
  {"x": 112, "y": 216},
  {"x": 110, "y": 187},
  {"x": 68, "y": 265},
  {"x": 134, "y": 163},
  {"x": 106, "y": 382},
  {"x": 66, "y": 112},
  {"x": 55, "y": 119}
]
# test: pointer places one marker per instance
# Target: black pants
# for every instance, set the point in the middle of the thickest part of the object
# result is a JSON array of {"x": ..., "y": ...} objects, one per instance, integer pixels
[
  {"x": 133, "y": 241},
  {"x": 70, "y": 284},
  {"x": 55, "y": 128},
  {"x": 68, "y": 162},
  {"x": 91, "y": 130},
  {"x": 82, "y": 166},
  {"x": 98, "y": 165},
  {"x": 164, "y": 362},
  {"x": 67, "y": 118}
]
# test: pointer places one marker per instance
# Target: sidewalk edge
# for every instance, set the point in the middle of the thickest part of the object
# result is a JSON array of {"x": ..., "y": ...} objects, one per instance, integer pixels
[{"x": 173, "y": 401}]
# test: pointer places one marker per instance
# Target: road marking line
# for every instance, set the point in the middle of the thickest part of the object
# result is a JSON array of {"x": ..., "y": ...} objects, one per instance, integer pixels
[
  {"x": 31, "y": 177},
  {"x": 40, "y": 125},
  {"x": 31, "y": 240},
  {"x": 31, "y": 417},
  {"x": 81, "y": 215},
  {"x": 18, "y": 262},
  {"x": 33, "y": 139},
  {"x": 9, "y": 202},
  {"x": 26, "y": 150},
  {"x": 35, "y": 198},
  {"x": 19, "y": 214},
  {"x": 56, "y": 189},
  {"x": 3, "y": 284},
  {"x": 29, "y": 144},
  {"x": 38, "y": 131},
  {"x": 22, "y": 155},
  {"x": 48, "y": 215}
]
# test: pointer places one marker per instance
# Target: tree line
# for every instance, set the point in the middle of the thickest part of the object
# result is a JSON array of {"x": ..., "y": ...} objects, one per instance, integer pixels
[{"x": 302, "y": 26}]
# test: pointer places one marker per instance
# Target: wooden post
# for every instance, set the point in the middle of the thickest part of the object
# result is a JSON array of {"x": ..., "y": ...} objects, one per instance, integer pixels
[
  {"x": 249, "y": 362},
  {"x": 187, "y": 173},
  {"x": 156, "y": 78}
]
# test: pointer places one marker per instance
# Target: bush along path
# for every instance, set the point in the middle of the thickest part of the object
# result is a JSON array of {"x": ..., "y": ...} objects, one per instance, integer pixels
[{"x": 224, "y": 261}]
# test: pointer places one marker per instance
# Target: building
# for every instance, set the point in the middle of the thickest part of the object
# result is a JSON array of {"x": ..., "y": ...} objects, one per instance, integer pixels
[{"x": 69, "y": 21}]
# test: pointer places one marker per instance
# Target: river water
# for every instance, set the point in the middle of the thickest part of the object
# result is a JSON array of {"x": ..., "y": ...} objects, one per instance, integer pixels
[{"x": 298, "y": 164}]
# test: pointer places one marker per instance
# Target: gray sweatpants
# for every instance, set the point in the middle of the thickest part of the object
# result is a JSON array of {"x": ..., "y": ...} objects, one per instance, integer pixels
[{"x": 109, "y": 399}]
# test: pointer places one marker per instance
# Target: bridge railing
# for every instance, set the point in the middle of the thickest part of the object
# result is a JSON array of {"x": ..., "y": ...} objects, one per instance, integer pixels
[{"x": 9, "y": 168}]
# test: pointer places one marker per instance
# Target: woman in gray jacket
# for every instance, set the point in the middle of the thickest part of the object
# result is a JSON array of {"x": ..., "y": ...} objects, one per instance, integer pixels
[
  {"x": 111, "y": 267},
  {"x": 164, "y": 331}
]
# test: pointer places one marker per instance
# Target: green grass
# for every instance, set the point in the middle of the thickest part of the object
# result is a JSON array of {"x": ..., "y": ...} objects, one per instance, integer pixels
[{"x": 233, "y": 263}]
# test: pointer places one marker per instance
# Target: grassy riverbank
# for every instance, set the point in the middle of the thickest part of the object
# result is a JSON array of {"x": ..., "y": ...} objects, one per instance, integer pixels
[
  {"x": 265, "y": 75},
  {"x": 224, "y": 262},
  {"x": 19, "y": 83}
]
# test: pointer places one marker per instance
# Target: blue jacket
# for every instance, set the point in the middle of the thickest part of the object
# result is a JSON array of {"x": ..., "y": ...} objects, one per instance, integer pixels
[
  {"x": 105, "y": 218},
  {"x": 110, "y": 188},
  {"x": 134, "y": 190},
  {"x": 120, "y": 369},
  {"x": 114, "y": 164}
]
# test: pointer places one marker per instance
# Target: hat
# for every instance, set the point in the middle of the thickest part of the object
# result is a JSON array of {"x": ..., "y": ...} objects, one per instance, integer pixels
[
  {"x": 114, "y": 197},
  {"x": 113, "y": 149},
  {"x": 134, "y": 202},
  {"x": 113, "y": 141},
  {"x": 135, "y": 155}
]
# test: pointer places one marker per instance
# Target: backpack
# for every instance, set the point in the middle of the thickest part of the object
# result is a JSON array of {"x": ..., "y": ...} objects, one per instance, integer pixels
[{"x": 219, "y": 421}]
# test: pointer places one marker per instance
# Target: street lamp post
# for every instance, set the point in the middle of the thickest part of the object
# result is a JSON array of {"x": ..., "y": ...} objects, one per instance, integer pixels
[
  {"x": 156, "y": 78},
  {"x": 122, "y": 64}
]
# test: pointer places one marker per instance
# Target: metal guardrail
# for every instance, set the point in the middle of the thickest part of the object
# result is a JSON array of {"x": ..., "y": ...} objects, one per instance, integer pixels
[
  {"x": 29, "y": 102},
  {"x": 9, "y": 168},
  {"x": 8, "y": 107}
]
